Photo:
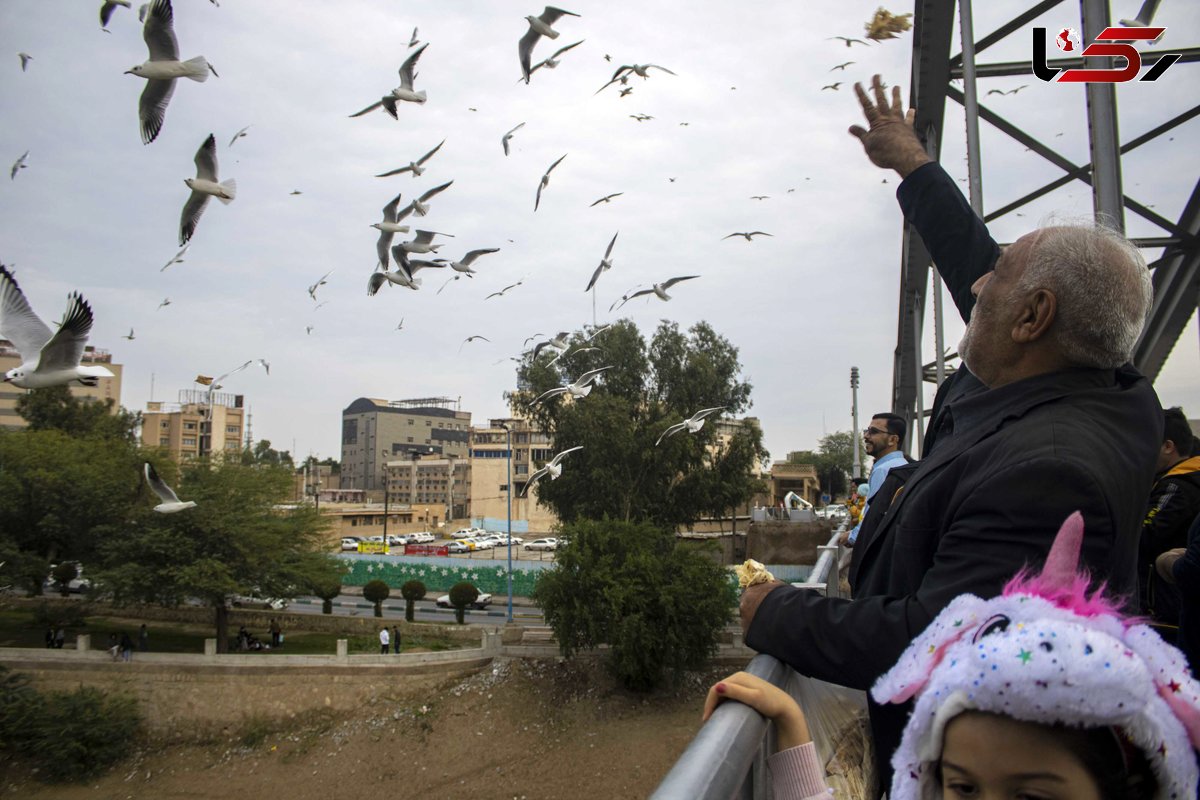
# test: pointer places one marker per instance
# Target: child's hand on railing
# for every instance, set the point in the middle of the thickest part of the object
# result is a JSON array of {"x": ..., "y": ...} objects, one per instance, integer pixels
[{"x": 768, "y": 700}]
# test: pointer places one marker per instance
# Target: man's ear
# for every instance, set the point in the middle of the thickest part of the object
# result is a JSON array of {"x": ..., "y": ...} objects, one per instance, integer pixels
[{"x": 1037, "y": 313}]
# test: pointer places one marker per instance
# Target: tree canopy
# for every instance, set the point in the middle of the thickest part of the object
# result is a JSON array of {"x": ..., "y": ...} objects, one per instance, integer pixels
[
  {"x": 621, "y": 473},
  {"x": 834, "y": 461}
]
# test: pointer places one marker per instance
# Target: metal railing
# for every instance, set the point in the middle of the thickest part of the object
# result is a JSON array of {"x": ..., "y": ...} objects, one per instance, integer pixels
[{"x": 728, "y": 757}]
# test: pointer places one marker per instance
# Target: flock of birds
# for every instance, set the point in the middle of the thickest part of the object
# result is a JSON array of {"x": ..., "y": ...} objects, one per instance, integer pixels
[{"x": 54, "y": 357}]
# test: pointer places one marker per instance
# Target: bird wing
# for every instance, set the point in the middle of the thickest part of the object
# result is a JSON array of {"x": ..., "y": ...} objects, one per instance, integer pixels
[
  {"x": 206, "y": 160},
  {"x": 730, "y": 236},
  {"x": 152, "y": 107},
  {"x": 396, "y": 171},
  {"x": 664, "y": 69},
  {"x": 159, "y": 33},
  {"x": 552, "y": 14},
  {"x": 598, "y": 331},
  {"x": 65, "y": 348},
  {"x": 558, "y": 458},
  {"x": 159, "y": 486},
  {"x": 629, "y": 297},
  {"x": 761, "y": 233},
  {"x": 595, "y": 277},
  {"x": 18, "y": 323},
  {"x": 608, "y": 250},
  {"x": 590, "y": 375},
  {"x": 368, "y": 109},
  {"x": 436, "y": 190},
  {"x": 389, "y": 211},
  {"x": 470, "y": 257},
  {"x": 192, "y": 210},
  {"x": 416, "y": 264},
  {"x": 562, "y": 50},
  {"x": 676, "y": 428},
  {"x": 550, "y": 393},
  {"x": 537, "y": 201},
  {"x": 556, "y": 163},
  {"x": 382, "y": 246},
  {"x": 221, "y": 379},
  {"x": 668, "y": 284},
  {"x": 238, "y": 135},
  {"x": 429, "y": 155},
  {"x": 525, "y": 51},
  {"x": 375, "y": 282},
  {"x": 534, "y": 478},
  {"x": 699, "y": 415},
  {"x": 406, "y": 69}
]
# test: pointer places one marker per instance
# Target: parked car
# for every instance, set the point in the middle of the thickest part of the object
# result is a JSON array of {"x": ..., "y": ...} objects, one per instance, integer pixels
[
  {"x": 479, "y": 544},
  {"x": 421, "y": 537},
  {"x": 549, "y": 543},
  {"x": 501, "y": 540},
  {"x": 481, "y": 602},
  {"x": 836, "y": 511},
  {"x": 250, "y": 601},
  {"x": 458, "y": 547},
  {"x": 350, "y": 543},
  {"x": 397, "y": 541}
]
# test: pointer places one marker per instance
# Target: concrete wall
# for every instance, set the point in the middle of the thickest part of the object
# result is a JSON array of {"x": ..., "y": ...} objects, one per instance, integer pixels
[{"x": 787, "y": 542}]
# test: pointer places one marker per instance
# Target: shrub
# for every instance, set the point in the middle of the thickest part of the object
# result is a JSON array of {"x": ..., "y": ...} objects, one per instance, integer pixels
[
  {"x": 63, "y": 574},
  {"x": 327, "y": 591},
  {"x": 659, "y": 607},
  {"x": 411, "y": 591},
  {"x": 462, "y": 594},
  {"x": 376, "y": 592}
]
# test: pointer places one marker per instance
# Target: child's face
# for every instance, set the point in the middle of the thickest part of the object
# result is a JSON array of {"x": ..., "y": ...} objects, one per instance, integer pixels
[{"x": 989, "y": 757}]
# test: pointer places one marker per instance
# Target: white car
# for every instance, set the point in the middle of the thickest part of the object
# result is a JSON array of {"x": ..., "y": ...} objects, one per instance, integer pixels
[
  {"x": 478, "y": 544},
  {"x": 502, "y": 540},
  {"x": 463, "y": 533},
  {"x": 350, "y": 543},
  {"x": 549, "y": 543},
  {"x": 421, "y": 537},
  {"x": 394, "y": 541},
  {"x": 481, "y": 602}
]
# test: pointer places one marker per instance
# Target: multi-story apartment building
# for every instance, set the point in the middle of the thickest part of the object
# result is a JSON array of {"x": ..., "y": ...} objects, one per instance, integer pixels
[
  {"x": 106, "y": 388},
  {"x": 185, "y": 429},
  {"x": 490, "y": 493},
  {"x": 438, "y": 488},
  {"x": 375, "y": 432}
]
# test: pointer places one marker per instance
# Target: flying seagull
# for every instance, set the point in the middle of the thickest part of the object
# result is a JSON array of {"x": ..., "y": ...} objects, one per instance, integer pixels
[
  {"x": 19, "y": 165},
  {"x": 760, "y": 197},
  {"x": 605, "y": 263},
  {"x": 659, "y": 290},
  {"x": 449, "y": 281},
  {"x": 847, "y": 40},
  {"x": 1010, "y": 91},
  {"x": 238, "y": 135},
  {"x": 403, "y": 276},
  {"x": 389, "y": 227},
  {"x": 509, "y": 135},
  {"x": 693, "y": 423},
  {"x": 552, "y": 61},
  {"x": 47, "y": 358},
  {"x": 502, "y": 292},
  {"x": 420, "y": 207},
  {"x": 606, "y": 199},
  {"x": 539, "y": 26},
  {"x": 170, "y": 502},
  {"x": 582, "y": 386},
  {"x": 833, "y": 86},
  {"x": 558, "y": 342},
  {"x": 415, "y": 167},
  {"x": 623, "y": 72},
  {"x": 175, "y": 259},
  {"x": 130, "y": 336},
  {"x": 166, "y": 302},
  {"x": 204, "y": 186},
  {"x": 163, "y": 68},
  {"x": 422, "y": 243},
  {"x": 545, "y": 181},
  {"x": 400, "y": 327},
  {"x": 842, "y": 67},
  {"x": 464, "y": 265},
  {"x": 748, "y": 236},
  {"x": 219, "y": 383},
  {"x": 413, "y": 41},
  {"x": 312, "y": 290},
  {"x": 25, "y": 59},
  {"x": 553, "y": 468},
  {"x": 641, "y": 117},
  {"x": 107, "y": 9},
  {"x": 403, "y": 92},
  {"x": 470, "y": 339}
]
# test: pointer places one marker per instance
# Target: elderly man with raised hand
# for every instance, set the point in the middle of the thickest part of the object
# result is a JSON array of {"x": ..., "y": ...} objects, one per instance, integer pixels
[{"x": 1046, "y": 418}]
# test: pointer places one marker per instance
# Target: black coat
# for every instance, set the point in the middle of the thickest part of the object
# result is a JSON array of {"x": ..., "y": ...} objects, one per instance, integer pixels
[{"x": 1004, "y": 469}]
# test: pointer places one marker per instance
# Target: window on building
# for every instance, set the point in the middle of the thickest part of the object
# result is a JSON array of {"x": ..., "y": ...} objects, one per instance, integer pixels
[
  {"x": 164, "y": 441},
  {"x": 232, "y": 429},
  {"x": 189, "y": 426},
  {"x": 164, "y": 424},
  {"x": 428, "y": 423},
  {"x": 189, "y": 441},
  {"x": 231, "y": 445}
]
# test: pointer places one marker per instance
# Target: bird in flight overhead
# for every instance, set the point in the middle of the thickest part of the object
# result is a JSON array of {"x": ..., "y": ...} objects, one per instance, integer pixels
[
  {"x": 748, "y": 235},
  {"x": 552, "y": 61},
  {"x": 581, "y": 387},
  {"x": 403, "y": 92},
  {"x": 19, "y": 165},
  {"x": 415, "y": 167},
  {"x": 539, "y": 26},
  {"x": 605, "y": 263},
  {"x": 607, "y": 198},
  {"x": 312, "y": 290},
  {"x": 108, "y": 7},
  {"x": 162, "y": 69},
  {"x": 693, "y": 423},
  {"x": 170, "y": 502},
  {"x": 464, "y": 266},
  {"x": 389, "y": 227},
  {"x": 238, "y": 135},
  {"x": 847, "y": 40},
  {"x": 509, "y": 135},
  {"x": 204, "y": 186},
  {"x": 623, "y": 72},
  {"x": 545, "y": 181},
  {"x": 25, "y": 59},
  {"x": 659, "y": 290},
  {"x": 842, "y": 67},
  {"x": 553, "y": 468},
  {"x": 47, "y": 358}
]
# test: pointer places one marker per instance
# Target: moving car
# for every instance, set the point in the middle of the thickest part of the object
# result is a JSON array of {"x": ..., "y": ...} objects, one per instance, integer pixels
[
  {"x": 481, "y": 602},
  {"x": 548, "y": 543}
]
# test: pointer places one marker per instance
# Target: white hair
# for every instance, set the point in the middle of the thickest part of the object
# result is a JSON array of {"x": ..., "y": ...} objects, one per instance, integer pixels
[{"x": 1102, "y": 286}]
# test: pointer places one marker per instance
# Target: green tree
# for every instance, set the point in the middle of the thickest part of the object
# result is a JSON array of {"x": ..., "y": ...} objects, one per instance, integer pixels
[
  {"x": 240, "y": 539},
  {"x": 327, "y": 591},
  {"x": 659, "y": 607},
  {"x": 411, "y": 591},
  {"x": 376, "y": 592},
  {"x": 833, "y": 460},
  {"x": 55, "y": 408},
  {"x": 263, "y": 453},
  {"x": 462, "y": 594},
  {"x": 621, "y": 473},
  {"x": 63, "y": 574}
]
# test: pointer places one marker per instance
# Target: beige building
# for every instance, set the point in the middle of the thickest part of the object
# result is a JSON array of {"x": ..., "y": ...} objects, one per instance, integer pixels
[
  {"x": 377, "y": 431},
  {"x": 489, "y": 475},
  {"x": 106, "y": 388},
  {"x": 440, "y": 488},
  {"x": 185, "y": 431},
  {"x": 787, "y": 476}
]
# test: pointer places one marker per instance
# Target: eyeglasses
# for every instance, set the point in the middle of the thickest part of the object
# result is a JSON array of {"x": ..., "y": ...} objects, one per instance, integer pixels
[{"x": 874, "y": 431}]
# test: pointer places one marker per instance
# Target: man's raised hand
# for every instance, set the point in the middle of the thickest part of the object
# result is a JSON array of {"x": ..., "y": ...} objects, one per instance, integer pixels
[{"x": 890, "y": 140}]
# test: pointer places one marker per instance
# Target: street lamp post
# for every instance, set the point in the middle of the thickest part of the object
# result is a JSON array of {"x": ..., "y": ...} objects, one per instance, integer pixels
[
  {"x": 386, "y": 550},
  {"x": 508, "y": 484}
]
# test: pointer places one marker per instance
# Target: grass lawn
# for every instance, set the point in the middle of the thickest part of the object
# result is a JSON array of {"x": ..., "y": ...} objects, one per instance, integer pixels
[{"x": 19, "y": 627}]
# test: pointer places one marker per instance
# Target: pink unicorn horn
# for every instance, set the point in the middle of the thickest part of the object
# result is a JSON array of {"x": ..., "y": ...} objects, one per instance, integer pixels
[{"x": 1062, "y": 564}]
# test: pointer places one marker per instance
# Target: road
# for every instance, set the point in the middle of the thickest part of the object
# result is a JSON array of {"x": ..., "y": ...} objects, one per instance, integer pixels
[{"x": 423, "y": 611}]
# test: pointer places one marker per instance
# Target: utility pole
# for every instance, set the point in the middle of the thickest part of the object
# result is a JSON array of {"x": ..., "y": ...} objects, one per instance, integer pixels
[{"x": 855, "y": 434}]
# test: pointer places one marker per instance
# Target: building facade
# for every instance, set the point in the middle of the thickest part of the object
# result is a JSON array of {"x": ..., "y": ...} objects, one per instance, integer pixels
[
  {"x": 439, "y": 488},
  {"x": 377, "y": 431},
  {"x": 105, "y": 389},
  {"x": 186, "y": 431},
  {"x": 490, "y": 495}
]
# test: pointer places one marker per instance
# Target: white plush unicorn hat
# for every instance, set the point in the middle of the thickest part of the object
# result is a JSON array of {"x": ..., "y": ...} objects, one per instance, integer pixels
[{"x": 1045, "y": 651}]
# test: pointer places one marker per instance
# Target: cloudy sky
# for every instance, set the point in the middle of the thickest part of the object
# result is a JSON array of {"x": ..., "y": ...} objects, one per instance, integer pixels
[{"x": 97, "y": 211}]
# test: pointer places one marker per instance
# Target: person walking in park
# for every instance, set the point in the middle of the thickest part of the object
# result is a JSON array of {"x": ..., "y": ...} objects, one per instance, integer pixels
[
  {"x": 396, "y": 639},
  {"x": 143, "y": 639},
  {"x": 384, "y": 638}
]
